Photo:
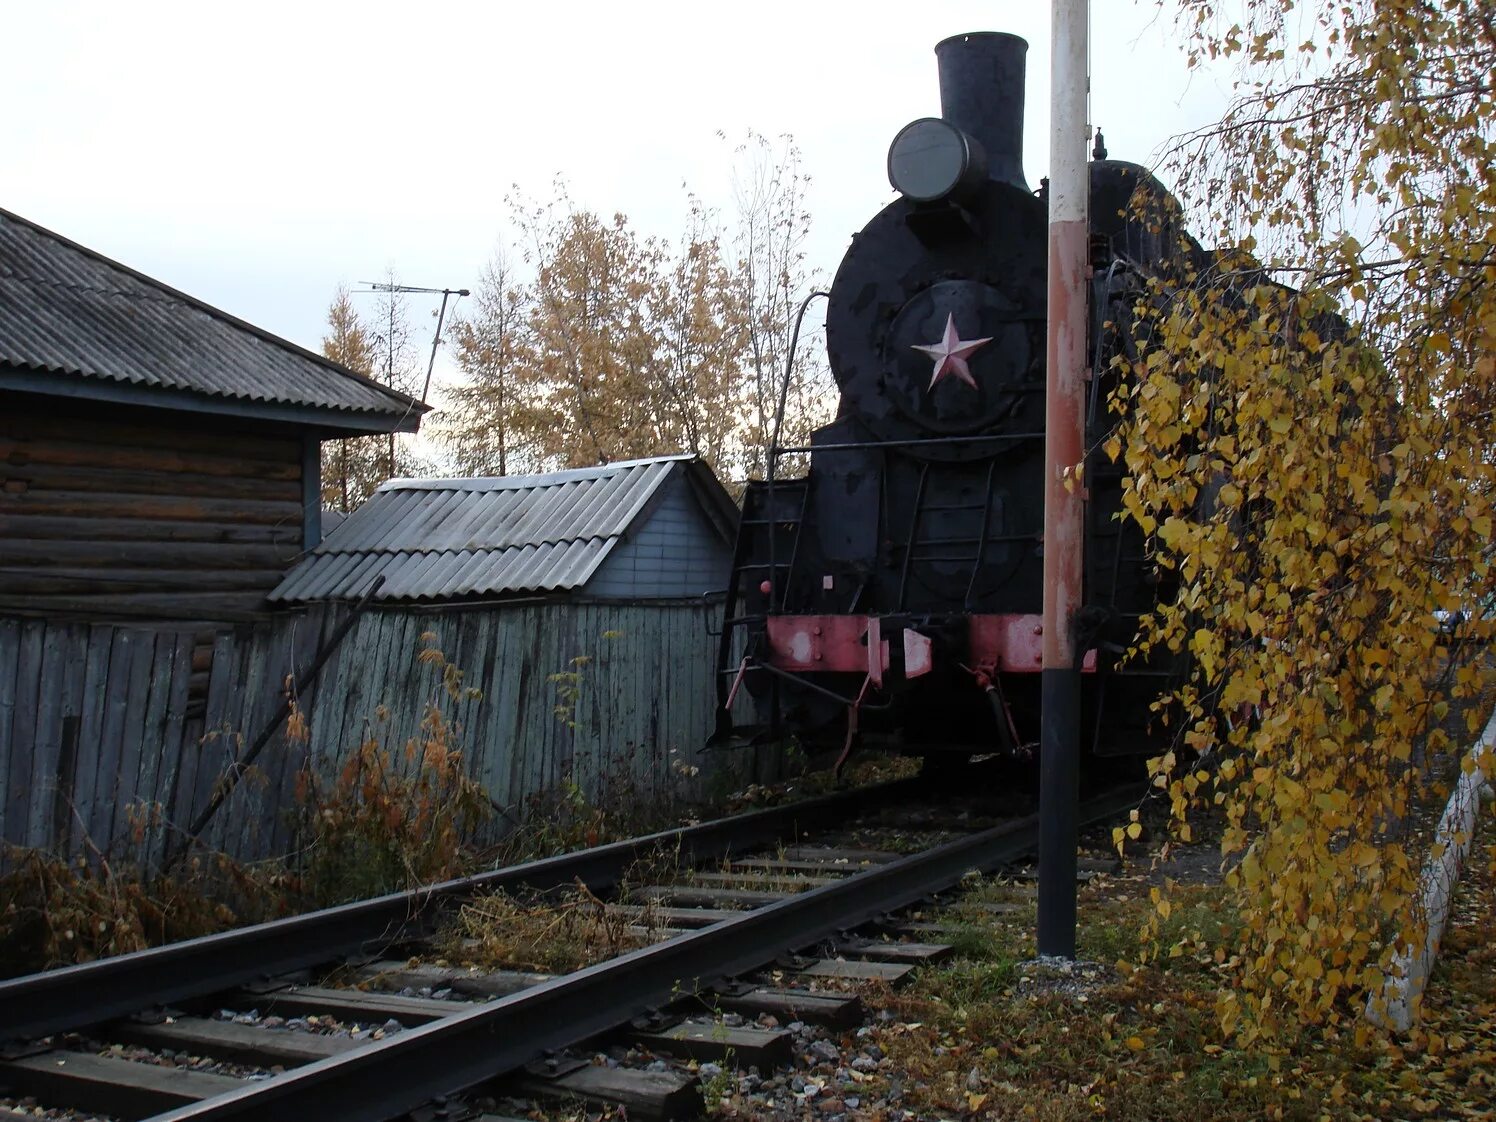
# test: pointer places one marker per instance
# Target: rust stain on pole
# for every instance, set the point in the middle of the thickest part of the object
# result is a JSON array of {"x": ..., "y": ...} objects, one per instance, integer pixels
[{"x": 1064, "y": 445}]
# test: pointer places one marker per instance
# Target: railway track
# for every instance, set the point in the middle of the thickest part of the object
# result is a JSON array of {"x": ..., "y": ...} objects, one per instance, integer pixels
[{"x": 90, "y": 1038}]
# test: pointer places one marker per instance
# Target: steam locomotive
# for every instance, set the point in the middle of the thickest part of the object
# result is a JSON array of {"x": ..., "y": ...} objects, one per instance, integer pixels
[{"x": 893, "y": 592}]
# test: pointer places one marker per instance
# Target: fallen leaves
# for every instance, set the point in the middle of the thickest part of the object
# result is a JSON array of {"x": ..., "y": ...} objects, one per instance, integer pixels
[{"x": 1146, "y": 1044}]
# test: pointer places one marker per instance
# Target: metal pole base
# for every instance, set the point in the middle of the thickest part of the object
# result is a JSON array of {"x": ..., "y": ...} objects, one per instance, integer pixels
[{"x": 1059, "y": 796}]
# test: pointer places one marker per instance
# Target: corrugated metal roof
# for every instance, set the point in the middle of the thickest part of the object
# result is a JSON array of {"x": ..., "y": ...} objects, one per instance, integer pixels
[
  {"x": 439, "y": 539},
  {"x": 66, "y": 310}
]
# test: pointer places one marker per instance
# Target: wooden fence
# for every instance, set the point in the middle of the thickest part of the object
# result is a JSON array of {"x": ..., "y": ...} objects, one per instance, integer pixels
[{"x": 104, "y": 749}]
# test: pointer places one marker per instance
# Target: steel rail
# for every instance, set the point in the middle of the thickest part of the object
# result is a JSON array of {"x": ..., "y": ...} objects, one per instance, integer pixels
[
  {"x": 75, "y": 997},
  {"x": 399, "y": 1074}
]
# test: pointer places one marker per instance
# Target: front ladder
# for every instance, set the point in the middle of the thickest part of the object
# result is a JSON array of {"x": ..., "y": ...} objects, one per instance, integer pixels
[{"x": 764, "y": 556}]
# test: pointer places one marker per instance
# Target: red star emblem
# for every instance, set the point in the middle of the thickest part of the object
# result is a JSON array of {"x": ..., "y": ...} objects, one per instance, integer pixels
[{"x": 951, "y": 353}]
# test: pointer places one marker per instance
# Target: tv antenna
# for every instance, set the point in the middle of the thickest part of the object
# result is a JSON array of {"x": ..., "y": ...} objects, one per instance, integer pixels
[{"x": 436, "y": 338}]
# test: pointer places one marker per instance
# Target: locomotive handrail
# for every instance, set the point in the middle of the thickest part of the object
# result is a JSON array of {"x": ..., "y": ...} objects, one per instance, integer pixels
[
  {"x": 919, "y": 495},
  {"x": 772, "y": 458},
  {"x": 789, "y": 372}
]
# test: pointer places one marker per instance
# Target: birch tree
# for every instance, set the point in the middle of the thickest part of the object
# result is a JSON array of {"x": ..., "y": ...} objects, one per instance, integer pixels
[
  {"x": 1308, "y": 443},
  {"x": 772, "y": 278}
]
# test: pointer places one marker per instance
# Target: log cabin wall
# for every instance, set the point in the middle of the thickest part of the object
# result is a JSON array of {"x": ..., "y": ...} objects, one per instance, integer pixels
[{"x": 109, "y": 513}]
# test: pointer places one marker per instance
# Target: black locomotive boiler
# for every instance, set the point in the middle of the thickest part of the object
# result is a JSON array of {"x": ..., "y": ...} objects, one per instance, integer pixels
[{"x": 894, "y": 591}]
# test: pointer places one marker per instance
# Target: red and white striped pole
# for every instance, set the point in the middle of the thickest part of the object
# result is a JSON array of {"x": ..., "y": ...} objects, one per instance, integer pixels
[{"x": 1064, "y": 509}]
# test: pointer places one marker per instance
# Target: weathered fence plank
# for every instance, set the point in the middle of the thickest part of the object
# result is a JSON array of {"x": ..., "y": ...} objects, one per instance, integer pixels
[
  {"x": 125, "y": 646},
  {"x": 64, "y": 820},
  {"x": 10, "y": 645},
  {"x": 94, "y": 720},
  {"x": 174, "y": 745},
  {"x": 23, "y": 731},
  {"x": 134, "y": 733},
  {"x": 166, "y": 664},
  {"x": 46, "y": 748},
  {"x": 306, "y": 638}
]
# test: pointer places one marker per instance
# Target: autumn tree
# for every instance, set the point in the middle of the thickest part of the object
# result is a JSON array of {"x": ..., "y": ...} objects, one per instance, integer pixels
[
  {"x": 378, "y": 346},
  {"x": 594, "y": 342},
  {"x": 772, "y": 278},
  {"x": 703, "y": 334},
  {"x": 617, "y": 346},
  {"x": 1307, "y": 441},
  {"x": 352, "y": 467},
  {"x": 489, "y": 425},
  {"x": 592, "y": 347},
  {"x": 397, "y": 365}
]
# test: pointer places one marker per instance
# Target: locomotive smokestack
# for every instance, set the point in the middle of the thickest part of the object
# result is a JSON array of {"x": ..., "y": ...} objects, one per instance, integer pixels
[{"x": 981, "y": 93}]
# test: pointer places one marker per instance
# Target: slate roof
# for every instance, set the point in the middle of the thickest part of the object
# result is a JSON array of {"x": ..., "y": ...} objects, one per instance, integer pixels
[
  {"x": 76, "y": 323},
  {"x": 444, "y": 539}
]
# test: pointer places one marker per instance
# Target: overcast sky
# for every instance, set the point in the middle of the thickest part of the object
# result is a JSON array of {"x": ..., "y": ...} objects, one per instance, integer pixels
[{"x": 257, "y": 155}]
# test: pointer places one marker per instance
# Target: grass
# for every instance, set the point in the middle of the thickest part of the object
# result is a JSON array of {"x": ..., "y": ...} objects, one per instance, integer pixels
[
  {"x": 556, "y": 932},
  {"x": 370, "y": 830},
  {"x": 503, "y": 931},
  {"x": 862, "y": 771},
  {"x": 969, "y": 1039},
  {"x": 56, "y": 912}
]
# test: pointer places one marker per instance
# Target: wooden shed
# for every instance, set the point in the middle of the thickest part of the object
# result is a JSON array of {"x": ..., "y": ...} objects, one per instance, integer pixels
[
  {"x": 596, "y": 592},
  {"x": 653, "y": 530},
  {"x": 159, "y": 458}
]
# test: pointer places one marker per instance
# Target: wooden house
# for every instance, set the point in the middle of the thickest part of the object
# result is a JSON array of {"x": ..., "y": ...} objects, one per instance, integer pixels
[
  {"x": 159, "y": 458},
  {"x": 159, "y": 474}
]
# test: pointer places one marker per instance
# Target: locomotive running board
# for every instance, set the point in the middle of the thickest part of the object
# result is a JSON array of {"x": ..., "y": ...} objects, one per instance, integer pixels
[{"x": 1009, "y": 644}]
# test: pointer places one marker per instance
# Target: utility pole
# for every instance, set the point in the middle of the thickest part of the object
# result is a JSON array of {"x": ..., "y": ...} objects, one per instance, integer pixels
[
  {"x": 389, "y": 374},
  {"x": 1064, "y": 444}
]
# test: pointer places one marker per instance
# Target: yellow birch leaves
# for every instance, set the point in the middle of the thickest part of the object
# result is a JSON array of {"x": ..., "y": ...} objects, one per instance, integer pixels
[{"x": 1308, "y": 443}]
